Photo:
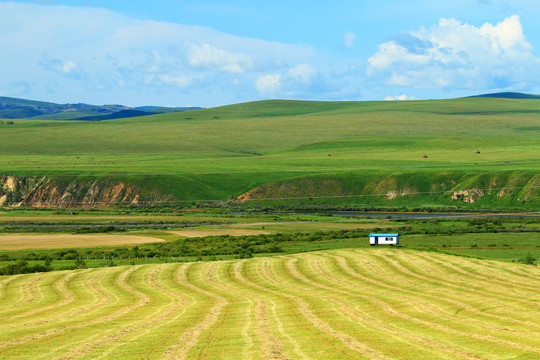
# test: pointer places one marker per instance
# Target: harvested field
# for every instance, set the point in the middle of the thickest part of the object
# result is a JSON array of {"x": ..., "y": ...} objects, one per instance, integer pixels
[
  {"x": 340, "y": 304},
  {"x": 210, "y": 232},
  {"x": 60, "y": 241}
]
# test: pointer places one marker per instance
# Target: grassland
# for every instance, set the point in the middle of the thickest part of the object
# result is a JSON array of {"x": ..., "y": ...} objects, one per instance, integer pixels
[
  {"x": 137, "y": 238},
  {"x": 361, "y": 304},
  {"x": 301, "y": 150}
]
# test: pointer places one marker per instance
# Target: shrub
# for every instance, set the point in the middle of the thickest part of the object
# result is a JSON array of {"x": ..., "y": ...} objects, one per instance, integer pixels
[
  {"x": 528, "y": 260},
  {"x": 22, "y": 267},
  {"x": 244, "y": 254}
]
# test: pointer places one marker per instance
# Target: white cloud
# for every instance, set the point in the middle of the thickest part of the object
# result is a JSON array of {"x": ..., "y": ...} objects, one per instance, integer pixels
[
  {"x": 349, "y": 38},
  {"x": 178, "y": 81},
  {"x": 398, "y": 97},
  {"x": 268, "y": 85},
  {"x": 208, "y": 56},
  {"x": 303, "y": 73},
  {"x": 138, "y": 60},
  {"x": 452, "y": 54}
]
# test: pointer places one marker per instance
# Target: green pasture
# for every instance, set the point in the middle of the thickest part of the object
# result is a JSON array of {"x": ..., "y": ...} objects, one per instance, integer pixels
[
  {"x": 220, "y": 153},
  {"x": 281, "y": 136},
  {"x": 498, "y": 246}
]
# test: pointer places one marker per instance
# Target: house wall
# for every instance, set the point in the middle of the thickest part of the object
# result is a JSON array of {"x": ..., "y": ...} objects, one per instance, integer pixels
[
  {"x": 387, "y": 240},
  {"x": 383, "y": 240}
]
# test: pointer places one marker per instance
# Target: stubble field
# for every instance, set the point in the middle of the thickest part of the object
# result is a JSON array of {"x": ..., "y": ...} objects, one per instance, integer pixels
[
  {"x": 339, "y": 304},
  {"x": 59, "y": 241}
]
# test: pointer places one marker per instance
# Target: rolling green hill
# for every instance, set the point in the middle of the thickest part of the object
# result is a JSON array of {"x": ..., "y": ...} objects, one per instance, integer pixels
[
  {"x": 116, "y": 115},
  {"x": 163, "y": 109},
  {"x": 474, "y": 152},
  {"x": 509, "y": 95}
]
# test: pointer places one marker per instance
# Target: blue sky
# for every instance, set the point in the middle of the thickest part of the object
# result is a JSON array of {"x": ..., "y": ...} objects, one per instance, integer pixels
[{"x": 211, "y": 53}]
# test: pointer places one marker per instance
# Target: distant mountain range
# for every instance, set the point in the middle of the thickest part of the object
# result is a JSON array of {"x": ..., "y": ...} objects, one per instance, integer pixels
[{"x": 14, "y": 108}]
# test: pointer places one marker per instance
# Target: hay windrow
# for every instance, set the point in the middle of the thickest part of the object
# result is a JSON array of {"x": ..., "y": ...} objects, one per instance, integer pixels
[{"x": 371, "y": 303}]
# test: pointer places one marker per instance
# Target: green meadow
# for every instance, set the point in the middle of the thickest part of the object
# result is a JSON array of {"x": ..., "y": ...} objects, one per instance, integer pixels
[{"x": 300, "y": 149}]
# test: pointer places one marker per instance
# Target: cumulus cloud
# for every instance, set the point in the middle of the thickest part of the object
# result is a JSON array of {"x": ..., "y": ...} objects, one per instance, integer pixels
[
  {"x": 303, "y": 73},
  {"x": 178, "y": 81},
  {"x": 452, "y": 54},
  {"x": 268, "y": 85},
  {"x": 398, "y": 97},
  {"x": 126, "y": 58},
  {"x": 101, "y": 56},
  {"x": 208, "y": 56}
]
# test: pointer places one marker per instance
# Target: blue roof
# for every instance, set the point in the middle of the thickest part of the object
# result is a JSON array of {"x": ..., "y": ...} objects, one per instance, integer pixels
[{"x": 393, "y": 234}]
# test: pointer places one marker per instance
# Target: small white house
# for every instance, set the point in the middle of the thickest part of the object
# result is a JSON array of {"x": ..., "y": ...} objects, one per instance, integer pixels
[{"x": 383, "y": 239}]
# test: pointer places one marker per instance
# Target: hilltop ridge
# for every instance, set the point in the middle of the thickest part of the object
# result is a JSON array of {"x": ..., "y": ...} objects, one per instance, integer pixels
[{"x": 507, "y": 95}]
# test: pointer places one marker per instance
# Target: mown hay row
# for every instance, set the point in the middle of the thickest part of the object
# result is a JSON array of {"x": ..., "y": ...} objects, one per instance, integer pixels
[
  {"x": 362, "y": 304},
  {"x": 435, "y": 322},
  {"x": 386, "y": 318},
  {"x": 448, "y": 290}
]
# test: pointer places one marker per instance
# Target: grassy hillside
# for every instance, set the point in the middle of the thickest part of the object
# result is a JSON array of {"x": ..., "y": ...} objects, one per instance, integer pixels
[
  {"x": 65, "y": 115},
  {"x": 358, "y": 148},
  {"x": 509, "y": 95},
  {"x": 341, "y": 304},
  {"x": 116, "y": 115}
]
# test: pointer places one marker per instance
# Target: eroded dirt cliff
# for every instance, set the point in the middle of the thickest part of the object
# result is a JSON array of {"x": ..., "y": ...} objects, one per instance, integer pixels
[{"x": 65, "y": 192}]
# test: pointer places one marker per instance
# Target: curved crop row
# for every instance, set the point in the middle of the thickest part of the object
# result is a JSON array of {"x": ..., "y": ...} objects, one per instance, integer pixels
[{"x": 341, "y": 304}]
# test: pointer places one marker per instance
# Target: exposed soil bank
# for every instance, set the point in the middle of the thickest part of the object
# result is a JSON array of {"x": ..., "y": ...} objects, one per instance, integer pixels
[
  {"x": 464, "y": 190},
  {"x": 511, "y": 190},
  {"x": 73, "y": 191}
]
